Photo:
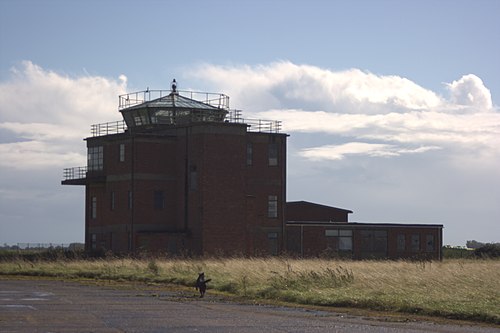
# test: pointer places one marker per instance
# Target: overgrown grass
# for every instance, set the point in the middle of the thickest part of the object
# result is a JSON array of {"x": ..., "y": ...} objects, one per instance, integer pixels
[{"x": 460, "y": 289}]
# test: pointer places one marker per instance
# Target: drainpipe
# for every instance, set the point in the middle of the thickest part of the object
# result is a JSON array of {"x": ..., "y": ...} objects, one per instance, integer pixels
[
  {"x": 132, "y": 190},
  {"x": 301, "y": 240},
  {"x": 186, "y": 181}
]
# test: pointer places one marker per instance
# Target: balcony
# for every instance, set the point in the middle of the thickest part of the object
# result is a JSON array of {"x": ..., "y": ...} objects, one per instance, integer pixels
[
  {"x": 233, "y": 116},
  {"x": 80, "y": 176}
]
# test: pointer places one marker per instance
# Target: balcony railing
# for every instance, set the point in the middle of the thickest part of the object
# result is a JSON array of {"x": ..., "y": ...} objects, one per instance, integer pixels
[
  {"x": 113, "y": 127},
  {"x": 75, "y": 173},
  {"x": 233, "y": 116},
  {"x": 217, "y": 100}
]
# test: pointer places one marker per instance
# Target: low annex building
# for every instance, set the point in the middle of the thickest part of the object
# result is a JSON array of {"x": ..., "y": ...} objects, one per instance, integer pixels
[{"x": 182, "y": 173}]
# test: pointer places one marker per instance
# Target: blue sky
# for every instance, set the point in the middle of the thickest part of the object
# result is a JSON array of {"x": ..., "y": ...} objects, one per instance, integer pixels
[{"x": 392, "y": 106}]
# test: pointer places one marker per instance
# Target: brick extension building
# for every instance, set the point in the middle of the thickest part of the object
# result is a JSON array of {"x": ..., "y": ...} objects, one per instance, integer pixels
[
  {"x": 184, "y": 174},
  {"x": 313, "y": 230}
]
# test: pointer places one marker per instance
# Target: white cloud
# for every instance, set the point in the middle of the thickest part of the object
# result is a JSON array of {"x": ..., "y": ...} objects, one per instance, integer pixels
[
  {"x": 45, "y": 115},
  {"x": 338, "y": 152},
  {"x": 364, "y": 109},
  {"x": 470, "y": 91}
]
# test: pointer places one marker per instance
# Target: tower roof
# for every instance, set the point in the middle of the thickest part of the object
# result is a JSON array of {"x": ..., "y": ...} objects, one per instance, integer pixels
[{"x": 157, "y": 107}]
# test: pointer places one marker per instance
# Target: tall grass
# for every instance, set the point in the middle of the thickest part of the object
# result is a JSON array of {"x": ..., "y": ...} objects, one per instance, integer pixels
[{"x": 461, "y": 289}]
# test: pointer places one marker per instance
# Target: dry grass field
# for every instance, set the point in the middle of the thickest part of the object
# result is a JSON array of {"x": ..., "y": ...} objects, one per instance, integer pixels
[{"x": 460, "y": 288}]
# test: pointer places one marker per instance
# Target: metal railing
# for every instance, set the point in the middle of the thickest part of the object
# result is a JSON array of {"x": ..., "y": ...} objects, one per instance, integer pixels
[
  {"x": 233, "y": 116},
  {"x": 254, "y": 125},
  {"x": 135, "y": 98},
  {"x": 113, "y": 127},
  {"x": 75, "y": 173}
]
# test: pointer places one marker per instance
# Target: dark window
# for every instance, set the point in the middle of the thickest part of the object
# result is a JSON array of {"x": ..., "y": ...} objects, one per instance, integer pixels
[
  {"x": 95, "y": 158},
  {"x": 273, "y": 154},
  {"x": 429, "y": 243},
  {"x": 273, "y": 243},
  {"x": 159, "y": 200},
  {"x": 401, "y": 242},
  {"x": 112, "y": 199},
  {"x": 345, "y": 240},
  {"x": 93, "y": 241},
  {"x": 272, "y": 206},
  {"x": 93, "y": 208},
  {"x": 249, "y": 153},
  {"x": 122, "y": 152},
  {"x": 130, "y": 199},
  {"x": 415, "y": 242},
  {"x": 373, "y": 244},
  {"x": 193, "y": 178},
  {"x": 339, "y": 240}
]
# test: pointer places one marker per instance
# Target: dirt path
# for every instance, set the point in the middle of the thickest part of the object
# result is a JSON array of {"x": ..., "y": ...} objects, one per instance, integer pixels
[{"x": 57, "y": 306}]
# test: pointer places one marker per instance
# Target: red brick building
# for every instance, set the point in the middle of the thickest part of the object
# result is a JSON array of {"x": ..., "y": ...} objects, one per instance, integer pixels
[
  {"x": 184, "y": 174},
  {"x": 318, "y": 230},
  {"x": 181, "y": 175}
]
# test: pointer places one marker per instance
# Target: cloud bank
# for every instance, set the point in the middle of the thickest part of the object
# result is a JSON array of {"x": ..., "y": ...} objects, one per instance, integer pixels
[
  {"x": 389, "y": 149},
  {"x": 374, "y": 115},
  {"x": 44, "y": 115}
]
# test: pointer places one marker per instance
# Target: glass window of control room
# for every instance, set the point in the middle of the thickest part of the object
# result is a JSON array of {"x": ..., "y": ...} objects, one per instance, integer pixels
[{"x": 95, "y": 158}]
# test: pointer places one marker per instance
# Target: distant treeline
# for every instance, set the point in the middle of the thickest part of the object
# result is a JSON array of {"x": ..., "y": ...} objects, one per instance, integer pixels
[{"x": 473, "y": 244}]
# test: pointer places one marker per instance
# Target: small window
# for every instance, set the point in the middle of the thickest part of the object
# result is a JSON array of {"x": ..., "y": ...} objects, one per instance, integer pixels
[
  {"x": 345, "y": 243},
  {"x": 193, "y": 178},
  {"x": 130, "y": 200},
  {"x": 415, "y": 243},
  {"x": 273, "y": 154},
  {"x": 429, "y": 243},
  {"x": 93, "y": 241},
  {"x": 272, "y": 208},
  {"x": 112, "y": 200},
  {"x": 159, "y": 200},
  {"x": 345, "y": 232},
  {"x": 249, "y": 153},
  {"x": 272, "y": 235},
  {"x": 93, "y": 208},
  {"x": 122, "y": 152},
  {"x": 401, "y": 242},
  {"x": 331, "y": 233}
]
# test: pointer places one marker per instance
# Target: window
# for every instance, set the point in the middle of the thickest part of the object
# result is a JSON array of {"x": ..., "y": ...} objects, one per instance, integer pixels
[
  {"x": 249, "y": 153},
  {"x": 272, "y": 238},
  {"x": 429, "y": 243},
  {"x": 130, "y": 199},
  {"x": 415, "y": 243},
  {"x": 193, "y": 178},
  {"x": 122, "y": 152},
  {"x": 93, "y": 241},
  {"x": 342, "y": 239},
  {"x": 159, "y": 200},
  {"x": 95, "y": 158},
  {"x": 272, "y": 206},
  {"x": 273, "y": 154},
  {"x": 93, "y": 208},
  {"x": 112, "y": 199},
  {"x": 401, "y": 242},
  {"x": 345, "y": 240},
  {"x": 332, "y": 233}
]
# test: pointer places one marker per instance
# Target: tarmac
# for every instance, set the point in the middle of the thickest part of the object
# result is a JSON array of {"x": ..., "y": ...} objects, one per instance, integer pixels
[{"x": 35, "y": 305}]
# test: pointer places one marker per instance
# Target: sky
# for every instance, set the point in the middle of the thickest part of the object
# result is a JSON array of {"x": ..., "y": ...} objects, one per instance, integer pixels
[{"x": 392, "y": 106}]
